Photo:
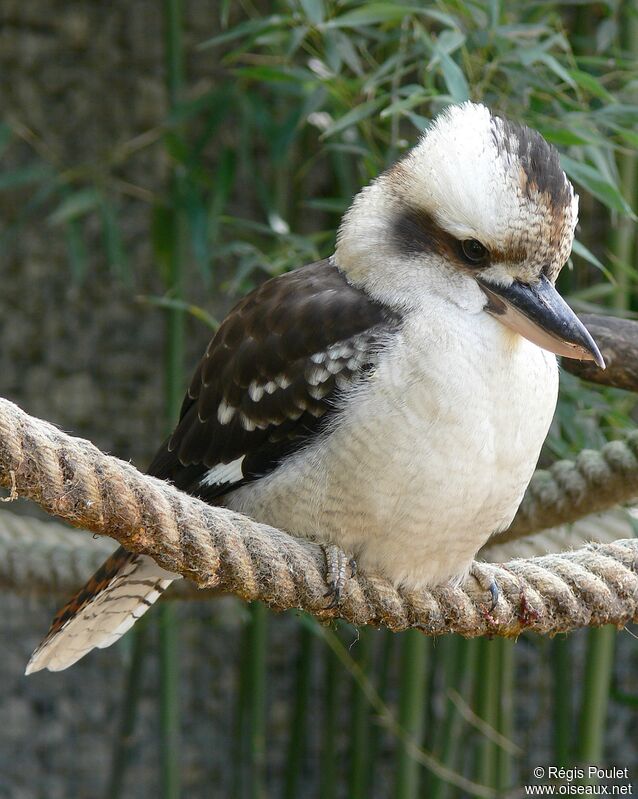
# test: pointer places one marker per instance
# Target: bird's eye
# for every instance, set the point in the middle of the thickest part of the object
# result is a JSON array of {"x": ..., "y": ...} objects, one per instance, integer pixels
[{"x": 474, "y": 252}]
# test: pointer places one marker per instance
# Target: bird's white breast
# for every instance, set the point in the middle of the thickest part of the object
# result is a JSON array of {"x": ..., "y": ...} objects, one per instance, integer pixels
[{"x": 428, "y": 458}]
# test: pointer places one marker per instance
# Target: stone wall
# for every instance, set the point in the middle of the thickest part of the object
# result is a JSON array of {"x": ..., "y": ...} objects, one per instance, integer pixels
[{"x": 77, "y": 80}]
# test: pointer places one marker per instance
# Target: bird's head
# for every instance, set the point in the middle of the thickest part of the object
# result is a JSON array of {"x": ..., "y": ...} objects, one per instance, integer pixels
[{"x": 479, "y": 213}]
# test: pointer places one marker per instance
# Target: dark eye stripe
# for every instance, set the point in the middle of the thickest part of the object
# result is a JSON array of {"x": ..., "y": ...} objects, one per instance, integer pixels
[{"x": 416, "y": 232}]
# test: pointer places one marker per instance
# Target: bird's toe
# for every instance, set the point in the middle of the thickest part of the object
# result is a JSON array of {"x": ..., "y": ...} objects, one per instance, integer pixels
[
  {"x": 486, "y": 580},
  {"x": 339, "y": 568}
]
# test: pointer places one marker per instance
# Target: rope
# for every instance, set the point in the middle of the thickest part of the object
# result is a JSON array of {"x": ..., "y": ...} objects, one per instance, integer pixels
[
  {"x": 217, "y": 548},
  {"x": 595, "y": 481},
  {"x": 47, "y": 558},
  {"x": 601, "y": 528},
  {"x": 44, "y": 558}
]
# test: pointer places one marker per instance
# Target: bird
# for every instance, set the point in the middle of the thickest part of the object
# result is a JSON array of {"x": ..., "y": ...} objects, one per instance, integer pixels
[{"x": 390, "y": 401}]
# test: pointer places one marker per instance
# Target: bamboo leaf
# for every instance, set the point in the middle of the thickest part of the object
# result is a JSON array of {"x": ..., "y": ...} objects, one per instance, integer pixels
[
  {"x": 276, "y": 74},
  {"x": 196, "y": 311},
  {"x": 591, "y": 179},
  {"x": 587, "y": 255},
  {"x": 250, "y": 28},
  {"x": 588, "y": 82},
  {"x": 75, "y": 205},
  {"x": 630, "y": 136},
  {"x": 454, "y": 78},
  {"x": 314, "y": 10},
  {"x": 34, "y": 173},
  {"x": 564, "y": 137},
  {"x": 353, "y": 117},
  {"x": 373, "y": 14},
  {"x": 378, "y": 13},
  {"x": 557, "y": 69}
]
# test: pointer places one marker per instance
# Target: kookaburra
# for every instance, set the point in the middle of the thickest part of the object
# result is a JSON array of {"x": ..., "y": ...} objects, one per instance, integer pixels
[{"x": 392, "y": 399}]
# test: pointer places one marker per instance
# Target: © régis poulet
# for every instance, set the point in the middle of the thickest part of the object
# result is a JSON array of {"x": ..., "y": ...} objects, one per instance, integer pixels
[{"x": 392, "y": 400}]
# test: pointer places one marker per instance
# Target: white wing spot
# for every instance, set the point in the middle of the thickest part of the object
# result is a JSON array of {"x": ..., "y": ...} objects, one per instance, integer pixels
[
  {"x": 225, "y": 412},
  {"x": 317, "y": 375},
  {"x": 223, "y": 473},
  {"x": 247, "y": 423},
  {"x": 334, "y": 366},
  {"x": 255, "y": 391},
  {"x": 317, "y": 392}
]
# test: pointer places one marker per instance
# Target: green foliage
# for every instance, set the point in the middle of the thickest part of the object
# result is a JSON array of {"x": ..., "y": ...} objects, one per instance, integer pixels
[
  {"x": 307, "y": 104},
  {"x": 339, "y": 90},
  {"x": 314, "y": 99}
]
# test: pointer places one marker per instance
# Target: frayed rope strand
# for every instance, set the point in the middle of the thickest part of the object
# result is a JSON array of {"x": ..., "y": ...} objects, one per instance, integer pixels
[{"x": 216, "y": 548}]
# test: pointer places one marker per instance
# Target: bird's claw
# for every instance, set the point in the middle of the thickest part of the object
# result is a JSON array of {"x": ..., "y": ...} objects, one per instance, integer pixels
[
  {"x": 488, "y": 583},
  {"x": 337, "y": 566},
  {"x": 495, "y": 592}
]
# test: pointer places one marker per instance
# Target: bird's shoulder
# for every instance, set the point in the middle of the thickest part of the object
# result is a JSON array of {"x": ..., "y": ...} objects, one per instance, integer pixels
[{"x": 271, "y": 377}]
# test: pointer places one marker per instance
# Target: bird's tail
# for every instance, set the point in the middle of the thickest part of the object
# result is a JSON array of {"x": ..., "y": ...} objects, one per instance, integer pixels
[{"x": 121, "y": 591}]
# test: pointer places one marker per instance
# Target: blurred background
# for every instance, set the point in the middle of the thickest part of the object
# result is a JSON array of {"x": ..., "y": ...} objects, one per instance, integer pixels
[{"x": 158, "y": 160}]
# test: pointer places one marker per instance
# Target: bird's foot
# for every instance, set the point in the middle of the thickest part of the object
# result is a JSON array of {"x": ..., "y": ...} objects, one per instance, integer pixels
[
  {"x": 485, "y": 578},
  {"x": 339, "y": 568},
  {"x": 526, "y": 612}
]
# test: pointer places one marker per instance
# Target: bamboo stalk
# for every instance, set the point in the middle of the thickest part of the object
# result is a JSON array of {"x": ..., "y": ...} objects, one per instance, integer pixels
[
  {"x": 360, "y": 721},
  {"x": 330, "y": 726},
  {"x": 301, "y": 711},
  {"x": 387, "y": 651},
  {"x": 129, "y": 708},
  {"x": 622, "y": 234},
  {"x": 387, "y": 717},
  {"x": 505, "y": 709},
  {"x": 459, "y": 664},
  {"x": 599, "y": 658},
  {"x": 487, "y": 689},
  {"x": 562, "y": 701},
  {"x": 256, "y": 711},
  {"x": 169, "y": 704},
  {"x": 239, "y": 737},
  {"x": 599, "y": 661},
  {"x": 169, "y": 671},
  {"x": 412, "y": 681}
]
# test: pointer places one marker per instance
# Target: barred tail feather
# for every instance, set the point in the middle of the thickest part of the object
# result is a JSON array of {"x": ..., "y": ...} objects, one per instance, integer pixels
[{"x": 121, "y": 591}]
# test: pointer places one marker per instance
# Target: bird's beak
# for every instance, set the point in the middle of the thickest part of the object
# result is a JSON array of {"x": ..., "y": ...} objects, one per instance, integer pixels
[{"x": 541, "y": 315}]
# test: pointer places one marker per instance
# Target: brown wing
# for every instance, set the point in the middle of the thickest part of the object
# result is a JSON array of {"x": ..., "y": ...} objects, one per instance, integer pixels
[{"x": 271, "y": 377}]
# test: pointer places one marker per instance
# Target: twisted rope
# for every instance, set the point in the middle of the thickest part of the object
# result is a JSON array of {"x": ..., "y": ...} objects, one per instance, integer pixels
[
  {"x": 217, "y": 548},
  {"x": 600, "y": 528},
  {"x": 594, "y": 481},
  {"x": 41, "y": 557},
  {"x": 47, "y": 558}
]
